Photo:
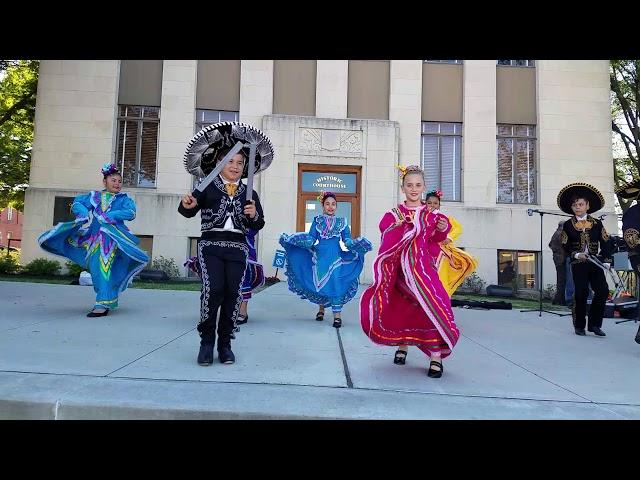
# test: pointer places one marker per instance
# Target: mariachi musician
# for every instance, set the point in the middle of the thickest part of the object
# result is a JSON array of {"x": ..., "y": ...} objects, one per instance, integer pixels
[
  {"x": 583, "y": 237},
  {"x": 631, "y": 229}
]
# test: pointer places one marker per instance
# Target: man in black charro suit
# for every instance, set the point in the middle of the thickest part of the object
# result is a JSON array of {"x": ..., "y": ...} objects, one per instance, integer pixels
[
  {"x": 631, "y": 229},
  {"x": 583, "y": 236}
]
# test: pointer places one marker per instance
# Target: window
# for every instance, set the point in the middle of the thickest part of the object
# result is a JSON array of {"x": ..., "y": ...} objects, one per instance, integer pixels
[
  {"x": 146, "y": 244},
  {"x": 137, "y": 149},
  {"x": 443, "y": 61},
  {"x": 517, "y": 63},
  {"x": 518, "y": 269},
  {"x": 9, "y": 214},
  {"x": 441, "y": 157},
  {"x": 207, "y": 117},
  {"x": 516, "y": 154},
  {"x": 62, "y": 210}
]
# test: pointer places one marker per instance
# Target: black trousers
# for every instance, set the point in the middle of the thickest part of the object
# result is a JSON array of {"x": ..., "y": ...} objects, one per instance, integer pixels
[
  {"x": 585, "y": 274},
  {"x": 222, "y": 267},
  {"x": 635, "y": 264},
  {"x": 561, "y": 283}
]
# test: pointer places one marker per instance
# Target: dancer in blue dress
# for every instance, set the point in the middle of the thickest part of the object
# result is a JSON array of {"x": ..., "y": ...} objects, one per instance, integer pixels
[
  {"x": 318, "y": 269},
  {"x": 99, "y": 241}
]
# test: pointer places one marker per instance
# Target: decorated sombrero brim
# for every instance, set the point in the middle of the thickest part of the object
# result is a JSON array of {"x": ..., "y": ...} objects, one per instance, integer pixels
[
  {"x": 589, "y": 192},
  {"x": 629, "y": 189},
  {"x": 199, "y": 157}
]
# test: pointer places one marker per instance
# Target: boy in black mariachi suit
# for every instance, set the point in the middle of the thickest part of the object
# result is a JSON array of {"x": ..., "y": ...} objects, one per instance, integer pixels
[
  {"x": 226, "y": 217},
  {"x": 582, "y": 237}
]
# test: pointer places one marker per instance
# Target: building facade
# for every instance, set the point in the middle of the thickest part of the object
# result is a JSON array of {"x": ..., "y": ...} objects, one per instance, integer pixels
[
  {"x": 10, "y": 227},
  {"x": 498, "y": 137}
]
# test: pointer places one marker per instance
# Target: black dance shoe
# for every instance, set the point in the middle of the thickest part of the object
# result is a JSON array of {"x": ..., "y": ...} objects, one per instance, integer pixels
[
  {"x": 400, "y": 357},
  {"x": 597, "y": 331},
  {"x": 434, "y": 373},
  {"x": 226, "y": 356},
  {"x": 205, "y": 356}
]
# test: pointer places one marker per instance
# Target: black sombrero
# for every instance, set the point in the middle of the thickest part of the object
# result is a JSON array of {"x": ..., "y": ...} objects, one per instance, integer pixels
[
  {"x": 629, "y": 190},
  {"x": 591, "y": 193},
  {"x": 202, "y": 149}
]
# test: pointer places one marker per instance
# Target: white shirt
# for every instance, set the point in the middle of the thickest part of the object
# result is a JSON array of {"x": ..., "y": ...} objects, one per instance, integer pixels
[{"x": 228, "y": 225}]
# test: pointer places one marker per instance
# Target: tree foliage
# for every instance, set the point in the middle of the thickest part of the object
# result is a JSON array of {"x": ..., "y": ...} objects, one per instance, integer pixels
[
  {"x": 625, "y": 90},
  {"x": 18, "y": 85}
]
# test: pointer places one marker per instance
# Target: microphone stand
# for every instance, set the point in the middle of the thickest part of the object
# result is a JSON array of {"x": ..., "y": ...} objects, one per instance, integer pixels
[{"x": 540, "y": 310}]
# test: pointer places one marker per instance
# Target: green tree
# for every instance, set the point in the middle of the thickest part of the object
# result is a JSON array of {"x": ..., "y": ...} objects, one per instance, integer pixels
[
  {"x": 625, "y": 90},
  {"x": 18, "y": 85}
]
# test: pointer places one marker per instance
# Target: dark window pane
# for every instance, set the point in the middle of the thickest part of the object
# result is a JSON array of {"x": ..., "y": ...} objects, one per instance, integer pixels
[
  {"x": 507, "y": 268},
  {"x": 228, "y": 116},
  {"x": 505, "y": 130},
  {"x": 126, "y": 153},
  {"x": 531, "y": 145},
  {"x": 146, "y": 244},
  {"x": 447, "y": 128},
  {"x": 527, "y": 270},
  {"x": 431, "y": 162},
  {"x": 211, "y": 116},
  {"x": 133, "y": 111},
  {"x": 450, "y": 169},
  {"x": 62, "y": 210},
  {"x": 430, "y": 127},
  {"x": 523, "y": 174},
  {"x": 441, "y": 158},
  {"x": 505, "y": 170},
  {"x": 151, "y": 112},
  {"x": 147, "y": 177}
]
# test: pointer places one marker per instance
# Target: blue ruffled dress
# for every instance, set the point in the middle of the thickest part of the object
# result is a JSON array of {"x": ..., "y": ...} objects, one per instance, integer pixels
[
  {"x": 318, "y": 269},
  {"x": 99, "y": 241}
]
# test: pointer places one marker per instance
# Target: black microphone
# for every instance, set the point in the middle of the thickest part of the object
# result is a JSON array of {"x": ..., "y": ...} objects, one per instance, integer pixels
[{"x": 530, "y": 212}]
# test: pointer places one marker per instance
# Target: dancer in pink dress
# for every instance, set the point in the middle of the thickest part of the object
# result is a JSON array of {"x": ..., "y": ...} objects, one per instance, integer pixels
[{"x": 407, "y": 303}]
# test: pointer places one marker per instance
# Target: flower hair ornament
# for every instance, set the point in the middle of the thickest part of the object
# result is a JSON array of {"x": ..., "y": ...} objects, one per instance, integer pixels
[
  {"x": 402, "y": 170},
  {"x": 434, "y": 193},
  {"x": 109, "y": 169},
  {"x": 324, "y": 195},
  {"x": 410, "y": 169}
]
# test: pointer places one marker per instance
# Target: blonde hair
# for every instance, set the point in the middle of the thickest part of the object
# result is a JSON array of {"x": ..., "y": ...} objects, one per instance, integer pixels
[{"x": 410, "y": 170}]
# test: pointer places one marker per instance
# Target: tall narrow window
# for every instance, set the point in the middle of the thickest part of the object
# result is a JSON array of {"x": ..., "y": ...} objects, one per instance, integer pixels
[
  {"x": 137, "y": 150},
  {"x": 442, "y": 158},
  {"x": 516, "y": 156}
]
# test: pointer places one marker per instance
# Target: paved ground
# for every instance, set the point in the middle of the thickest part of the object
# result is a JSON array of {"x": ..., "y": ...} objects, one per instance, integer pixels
[{"x": 140, "y": 363}]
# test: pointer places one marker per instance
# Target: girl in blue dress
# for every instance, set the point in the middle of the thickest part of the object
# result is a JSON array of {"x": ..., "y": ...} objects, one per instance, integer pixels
[
  {"x": 318, "y": 269},
  {"x": 99, "y": 241}
]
